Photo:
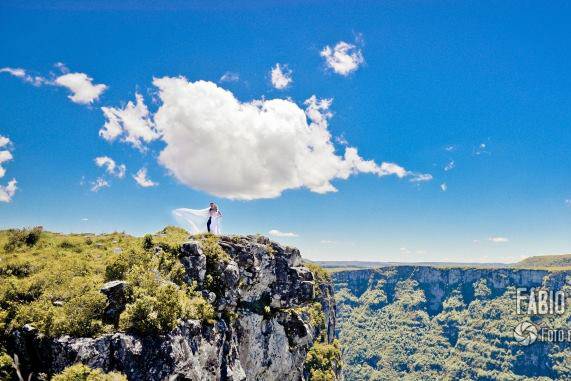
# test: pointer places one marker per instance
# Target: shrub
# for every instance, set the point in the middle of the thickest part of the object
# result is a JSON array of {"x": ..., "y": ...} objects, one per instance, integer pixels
[
  {"x": 320, "y": 274},
  {"x": 148, "y": 242},
  {"x": 80, "y": 372},
  {"x": 79, "y": 316},
  {"x": 157, "y": 306},
  {"x": 19, "y": 237},
  {"x": 7, "y": 370},
  {"x": 322, "y": 360}
]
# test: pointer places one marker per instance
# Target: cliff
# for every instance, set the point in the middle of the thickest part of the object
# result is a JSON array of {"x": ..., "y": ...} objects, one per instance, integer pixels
[
  {"x": 261, "y": 313},
  {"x": 445, "y": 323}
]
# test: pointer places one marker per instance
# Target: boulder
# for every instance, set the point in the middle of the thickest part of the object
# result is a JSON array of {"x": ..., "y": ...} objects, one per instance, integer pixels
[{"x": 116, "y": 293}]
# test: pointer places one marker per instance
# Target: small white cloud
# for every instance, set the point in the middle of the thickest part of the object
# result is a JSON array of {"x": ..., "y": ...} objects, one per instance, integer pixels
[
  {"x": 450, "y": 148},
  {"x": 24, "y": 76},
  {"x": 496, "y": 239},
  {"x": 85, "y": 219},
  {"x": 61, "y": 66},
  {"x": 229, "y": 77},
  {"x": 277, "y": 233},
  {"x": 450, "y": 166},
  {"x": 444, "y": 187},
  {"x": 4, "y": 141},
  {"x": 99, "y": 184},
  {"x": 110, "y": 166},
  {"x": 142, "y": 180},
  {"x": 341, "y": 140},
  {"x": 405, "y": 250},
  {"x": 568, "y": 202},
  {"x": 344, "y": 58},
  {"x": 419, "y": 177},
  {"x": 81, "y": 86},
  {"x": 481, "y": 150},
  {"x": 281, "y": 76},
  {"x": 4, "y": 157},
  {"x": 83, "y": 91},
  {"x": 133, "y": 124},
  {"x": 15, "y": 71},
  {"x": 8, "y": 191}
]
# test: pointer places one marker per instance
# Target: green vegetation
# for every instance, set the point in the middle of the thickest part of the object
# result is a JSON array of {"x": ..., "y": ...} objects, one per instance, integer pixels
[
  {"x": 7, "y": 370},
  {"x": 322, "y": 361},
  {"x": 551, "y": 262},
  {"x": 388, "y": 332},
  {"x": 52, "y": 281},
  {"x": 79, "y": 372}
]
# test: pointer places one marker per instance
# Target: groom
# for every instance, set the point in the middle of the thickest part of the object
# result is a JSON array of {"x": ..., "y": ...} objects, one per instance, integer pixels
[{"x": 210, "y": 216}]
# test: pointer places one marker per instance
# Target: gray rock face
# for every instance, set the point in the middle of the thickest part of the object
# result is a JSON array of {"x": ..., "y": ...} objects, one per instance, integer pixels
[
  {"x": 115, "y": 291},
  {"x": 262, "y": 332}
]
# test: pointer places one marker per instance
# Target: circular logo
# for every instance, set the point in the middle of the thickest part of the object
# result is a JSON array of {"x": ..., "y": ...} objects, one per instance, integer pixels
[{"x": 525, "y": 333}]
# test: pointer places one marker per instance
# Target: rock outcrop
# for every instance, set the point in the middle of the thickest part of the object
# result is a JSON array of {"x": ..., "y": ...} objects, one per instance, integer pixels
[{"x": 263, "y": 296}]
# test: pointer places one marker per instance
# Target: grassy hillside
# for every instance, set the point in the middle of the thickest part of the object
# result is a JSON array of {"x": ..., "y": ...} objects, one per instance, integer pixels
[
  {"x": 52, "y": 281},
  {"x": 556, "y": 262}
]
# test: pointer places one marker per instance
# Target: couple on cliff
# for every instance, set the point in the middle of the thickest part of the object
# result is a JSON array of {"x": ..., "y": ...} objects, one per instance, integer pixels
[{"x": 198, "y": 219}]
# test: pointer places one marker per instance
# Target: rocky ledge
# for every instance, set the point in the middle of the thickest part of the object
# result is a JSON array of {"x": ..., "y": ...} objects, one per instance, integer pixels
[{"x": 270, "y": 310}]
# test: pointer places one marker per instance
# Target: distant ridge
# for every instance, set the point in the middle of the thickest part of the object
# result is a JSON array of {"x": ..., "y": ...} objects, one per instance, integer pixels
[
  {"x": 355, "y": 265},
  {"x": 562, "y": 261},
  {"x": 553, "y": 262}
]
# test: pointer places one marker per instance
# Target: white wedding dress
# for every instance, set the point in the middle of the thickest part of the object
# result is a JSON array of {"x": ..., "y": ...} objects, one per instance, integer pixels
[{"x": 197, "y": 219}]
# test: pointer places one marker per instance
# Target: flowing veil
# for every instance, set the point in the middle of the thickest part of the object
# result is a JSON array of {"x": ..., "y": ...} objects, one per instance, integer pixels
[{"x": 196, "y": 219}]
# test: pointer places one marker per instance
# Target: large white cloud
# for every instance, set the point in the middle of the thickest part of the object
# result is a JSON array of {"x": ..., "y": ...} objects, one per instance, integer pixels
[
  {"x": 240, "y": 150},
  {"x": 132, "y": 124},
  {"x": 83, "y": 91},
  {"x": 215, "y": 143},
  {"x": 344, "y": 58},
  {"x": 281, "y": 76}
]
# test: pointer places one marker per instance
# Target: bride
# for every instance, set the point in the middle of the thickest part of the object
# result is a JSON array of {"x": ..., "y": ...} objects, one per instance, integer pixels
[{"x": 198, "y": 219}]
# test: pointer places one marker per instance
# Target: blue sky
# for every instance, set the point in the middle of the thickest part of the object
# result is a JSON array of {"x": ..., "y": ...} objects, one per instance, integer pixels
[{"x": 485, "y": 85}]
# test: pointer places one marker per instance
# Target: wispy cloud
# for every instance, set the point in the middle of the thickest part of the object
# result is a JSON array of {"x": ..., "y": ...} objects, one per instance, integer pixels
[
  {"x": 83, "y": 90},
  {"x": 444, "y": 187},
  {"x": 277, "y": 233},
  {"x": 450, "y": 166},
  {"x": 229, "y": 77},
  {"x": 99, "y": 184},
  {"x": 110, "y": 166},
  {"x": 142, "y": 179},
  {"x": 568, "y": 202},
  {"x": 482, "y": 149},
  {"x": 497, "y": 239}
]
